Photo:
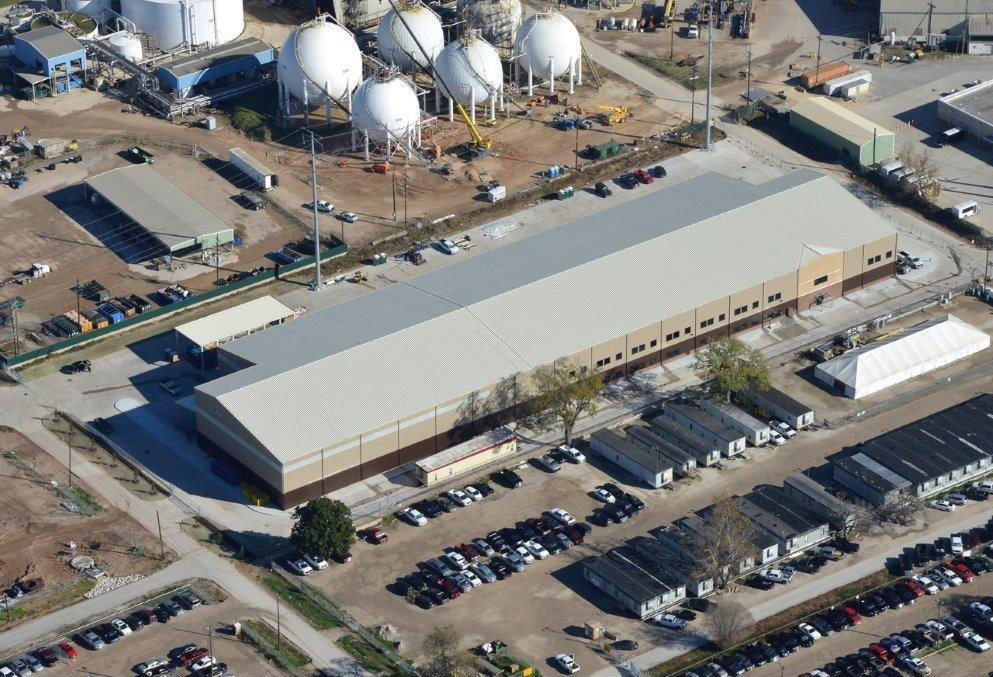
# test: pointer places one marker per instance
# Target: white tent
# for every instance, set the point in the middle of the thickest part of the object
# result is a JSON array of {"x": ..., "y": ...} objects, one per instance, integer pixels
[{"x": 876, "y": 366}]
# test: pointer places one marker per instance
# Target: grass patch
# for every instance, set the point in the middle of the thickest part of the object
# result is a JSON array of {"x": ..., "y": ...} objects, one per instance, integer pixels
[
  {"x": 682, "y": 74},
  {"x": 786, "y": 617},
  {"x": 47, "y": 603},
  {"x": 282, "y": 653},
  {"x": 506, "y": 662},
  {"x": 366, "y": 654},
  {"x": 254, "y": 113},
  {"x": 310, "y": 610},
  {"x": 84, "y": 500}
]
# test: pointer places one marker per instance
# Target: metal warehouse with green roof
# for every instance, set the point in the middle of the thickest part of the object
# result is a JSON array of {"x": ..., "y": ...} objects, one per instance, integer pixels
[{"x": 853, "y": 137}]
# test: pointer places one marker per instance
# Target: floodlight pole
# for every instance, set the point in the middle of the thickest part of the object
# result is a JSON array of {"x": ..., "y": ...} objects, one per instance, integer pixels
[
  {"x": 317, "y": 224},
  {"x": 710, "y": 74}
]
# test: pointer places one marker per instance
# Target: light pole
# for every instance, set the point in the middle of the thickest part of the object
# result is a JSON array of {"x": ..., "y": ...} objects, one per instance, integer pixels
[
  {"x": 317, "y": 224},
  {"x": 693, "y": 79}
]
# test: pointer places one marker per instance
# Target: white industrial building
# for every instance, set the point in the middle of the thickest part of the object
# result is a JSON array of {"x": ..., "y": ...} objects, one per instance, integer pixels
[
  {"x": 970, "y": 110},
  {"x": 877, "y": 366}
]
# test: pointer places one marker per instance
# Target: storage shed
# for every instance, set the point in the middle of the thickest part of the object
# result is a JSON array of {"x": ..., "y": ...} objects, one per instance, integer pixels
[
  {"x": 755, "y": 431},
  {"x": 727, "y": 439},
  {"x": 651, "y": 468},
  {"x": 707, "y": 453},
  {"x": 877, "y": 366},
  {"x": 479, "y": 451},
  {"x": 852, "y": 137},
  {"x": 777, "y": 403}
]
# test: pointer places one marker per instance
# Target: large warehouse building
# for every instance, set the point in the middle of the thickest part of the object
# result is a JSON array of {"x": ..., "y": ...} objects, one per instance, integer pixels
[
  {"x": 965, "y": 24},
  {"x": 408, "y": 370},
  {"x": 970, "y": 110},
  {"x": 848, "y": 135}
]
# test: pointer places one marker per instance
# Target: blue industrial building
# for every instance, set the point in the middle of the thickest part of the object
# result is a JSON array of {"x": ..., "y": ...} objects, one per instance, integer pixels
[
  {"x": 221, "y": 66},
  {"x": 54, "y": 61}
]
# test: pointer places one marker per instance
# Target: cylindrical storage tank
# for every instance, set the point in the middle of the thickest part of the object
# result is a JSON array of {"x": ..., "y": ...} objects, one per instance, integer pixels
[
  {"x": 470, "y": 66},
  {"x": 197, "y": 22},
  {"x": 322, "y": 58},
  {"x": 86, "y": 26},
  {"x": 386, "y": 105},
  {"x": 548, "y": 44},
  {"x": 396, "y": 44},
  {"x": 127, "y": 45},
  {"x": 496, "y": 20},
  {"x": 90, "y": 7}
]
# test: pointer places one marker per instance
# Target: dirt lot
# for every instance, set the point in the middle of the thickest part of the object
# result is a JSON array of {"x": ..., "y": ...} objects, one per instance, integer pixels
[
  {"x": 204, "y": 626},
  {"x": 549, "y": 602},
  {"x": 82, "y": 241},
  {"x": 36, "y": 524},
  {"x": 796, "y": 377},
  {"x": 957, "y": 661}
]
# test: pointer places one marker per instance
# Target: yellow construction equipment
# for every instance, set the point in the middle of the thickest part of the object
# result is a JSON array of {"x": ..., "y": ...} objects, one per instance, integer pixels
[
  {"x": 613, "y": 115},
  {"x": 480, "y": 145},
  {"x": 670, "y": 10}
]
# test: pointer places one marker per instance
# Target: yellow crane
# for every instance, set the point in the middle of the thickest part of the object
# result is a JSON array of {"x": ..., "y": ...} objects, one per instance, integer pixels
[
  {"x": 613, "y": 115},
  {"x": 670, "y": 10},
  {"x": 480, "y": 144}
]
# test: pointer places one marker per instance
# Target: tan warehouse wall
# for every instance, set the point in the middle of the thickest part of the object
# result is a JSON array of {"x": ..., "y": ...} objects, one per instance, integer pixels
[{"x": 449, "y": 423}]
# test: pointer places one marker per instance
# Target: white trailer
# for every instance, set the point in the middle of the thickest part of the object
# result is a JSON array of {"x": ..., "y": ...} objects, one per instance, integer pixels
[
  {"x": 263, "y": 177},
  {"x": 755, "y": 431}
]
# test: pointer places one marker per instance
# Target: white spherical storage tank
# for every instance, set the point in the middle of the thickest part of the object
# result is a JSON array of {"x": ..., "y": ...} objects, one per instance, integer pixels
[
  {"x": 385, "y": 110},
  {"x": 396, "y": 44},
  {"x": 196, "y": 22},
  {"x": 127, "y": 45},
  {"x": 548, "y": 46},
  {"x": 469, "y": 72},
  {"x": 319, "y": 61}
]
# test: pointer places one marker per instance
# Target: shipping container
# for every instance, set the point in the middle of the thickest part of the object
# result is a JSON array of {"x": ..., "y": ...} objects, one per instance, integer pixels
[
  {"x": 80, "y": 320},
  {"x": 496, "y": 194},
  {"x": 64, "y": 326},
  {"x": 814, "y": 77},
  {"x": 113, "y": 315},
  {"x": 97, "y": 320},
  {"x": 140, "y": 303},
  {"x": 126, "y": 306}
]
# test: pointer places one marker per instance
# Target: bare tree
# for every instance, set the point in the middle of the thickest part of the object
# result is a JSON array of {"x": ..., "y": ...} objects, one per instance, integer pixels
[
  {"x": 726, "y": 623},
  {"x": 724, "y": 542},
  {"x": 924, "y": 182},
  {"x": 900, "y": 511},
  {"x": 855, "y": 519},
  {"x": 444, "y": 657},
  {"x": 561, "y": 392}
]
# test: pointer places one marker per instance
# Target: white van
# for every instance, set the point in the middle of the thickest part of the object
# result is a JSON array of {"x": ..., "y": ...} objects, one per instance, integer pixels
[
  {"x": 950, "y": 136},
  {"x": 889, "y": 168},
  {"x": 964, "y": 210}
]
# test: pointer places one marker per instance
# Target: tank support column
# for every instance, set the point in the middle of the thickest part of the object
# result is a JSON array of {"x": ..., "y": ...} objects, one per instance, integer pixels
[
  {"x": 328, "y": 102},
  {"x": 451, "y": 110},
  {"x": 572, "y": 78},
  {"x": 472, "y": 104},
  {"x": 530, "y": 83},
  {"x": 551, "y": 76},
  {"x": 579, "y": 69},
  {"x": 306, "y": 106},
  {"x": 492, "y": 115},
  {"x": 365, "y": 136}
]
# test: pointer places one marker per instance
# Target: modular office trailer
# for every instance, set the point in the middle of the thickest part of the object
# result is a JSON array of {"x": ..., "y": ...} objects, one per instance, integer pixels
[
  {"x": 707, "y": 453},
  {"x": 754, "y": 430},
  {"x": 727, "y": 439},
  {"x": 650, "y": 467},
  {"x": 683, "y": 462},
  {"x": 782, "y": 406}
]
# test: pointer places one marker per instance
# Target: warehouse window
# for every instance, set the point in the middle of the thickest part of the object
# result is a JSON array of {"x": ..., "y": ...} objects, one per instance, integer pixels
[
  {"x": 889, "y": 254},
  {"x": 874, "y": 259},
  {"x": 688, "y": 331},
  {"x": 776, "y": 297},
  {"x": 742, "y": 309},
  {"x": 706, "y": 323},
  {"x": 620, "y": 356},
  {"x": 720, "y": 318},
  {"x": 755, "y": 304},
  {"x": 654, "y": 343},
  {"x": 821, "y": 280}
]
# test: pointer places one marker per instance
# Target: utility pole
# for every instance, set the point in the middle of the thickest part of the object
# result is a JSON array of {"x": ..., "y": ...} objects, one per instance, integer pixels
[
  {"x": 577, "y": 147},
  {"x": 317, "y": 224},
  {"x": 278, "y": 625},
  {"x": 671, "y": 31},
  {"x": 394, "y": 174},
  {"x": 210, "y": 639},
  {"x": 69, "y": 445},
  {"x": 217, "y": 261},
  {"x": 693, "y": 79},
  {"x": 748, "y": 76},
  {"x": 966, "y": 33},
  {"x": 710, "y": 73},
  {"x": 158, "y": 520},
  {"x": 817, "y": 69},
  {"x": 77, "y": 298},
  {"x": 930, "y": 11}
]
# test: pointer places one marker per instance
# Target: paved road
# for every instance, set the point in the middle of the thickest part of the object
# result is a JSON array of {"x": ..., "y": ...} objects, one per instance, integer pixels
[{"x": 23, "y": 410}]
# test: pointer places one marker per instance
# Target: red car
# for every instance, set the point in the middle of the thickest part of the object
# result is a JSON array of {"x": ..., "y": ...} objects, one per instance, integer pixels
[
  {"x": 469, "y": 551},
  {"x": 964, "y": 572},
  {"x": 914, "y": 587},
  {"x": 377, "y": 535},
  {"x": 147, "y": 616},
  {"x": 575, "y": 535},
  {"x": 343, "y": 559},
  {"x": 449, "y": 588},
  {"x": 974, "y": 537},
  {"x": 881, "y": 653},
  {"x": 643, "y": 176},
  {"x": 852, "y": 615},
  {"x": 192, "y": 657},
  {"x": 69, "y": 650}
]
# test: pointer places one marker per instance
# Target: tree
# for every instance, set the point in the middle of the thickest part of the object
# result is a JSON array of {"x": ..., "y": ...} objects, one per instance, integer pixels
[
  {"x": 731, "y": 367},
  {"x": 723, "y": 542},
  {"x": 901, "y": 510},
  {"x": 727, "y": 621},
  {"x": 561, "y": 393},
  {"x": 924, "y": 184},
  {"x": 444, "y": 657},
  {"x": 323, "y": 527},
  {"x": 855, "y": 519}
]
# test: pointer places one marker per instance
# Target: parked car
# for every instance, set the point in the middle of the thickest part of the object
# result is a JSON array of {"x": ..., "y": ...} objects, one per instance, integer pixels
[
  {"x": 322, "y": 206},
  {"x": 572, "y": 453},
  {"x": 348, "y": 217},
  {"x": 473, "y": 493},
  {"x": 602, "y": 190},
  {"x": 956, "y": 499},
  {"x": 299, "y": 566},
  {"x": 536, "y": 549},
  {"x": 562, "y": 516},
  {"x": 508, "y": 478},
  {"x": 548, "y": 463},
  {"x": 567, "y": 662},
  {"x": 670, "y": 621},
  {"x": 412, "y": 516},
  {"x": 783, "y": 429},
  {"x": 943, "y": 505}
]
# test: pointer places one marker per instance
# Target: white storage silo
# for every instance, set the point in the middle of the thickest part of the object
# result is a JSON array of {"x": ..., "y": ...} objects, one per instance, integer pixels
[
  {"x": 93, "y": 8},
  {"x": 397, "y": 44},
  {"x": 469, "y": 71},
  {"x": 127, "y": 45},
  {"x": 385, "y": 110},
  {"x": 319, "y": 65},
  {"x": 548, "y": 46},
  {"x": 174, "y": 23},
  {"x": 496, "y": 20}
]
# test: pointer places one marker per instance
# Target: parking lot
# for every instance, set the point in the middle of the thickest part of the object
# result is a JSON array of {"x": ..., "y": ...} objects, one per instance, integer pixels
[
  {"x": 205, "y": 626},
  {"x": 549, "y": 602}
]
